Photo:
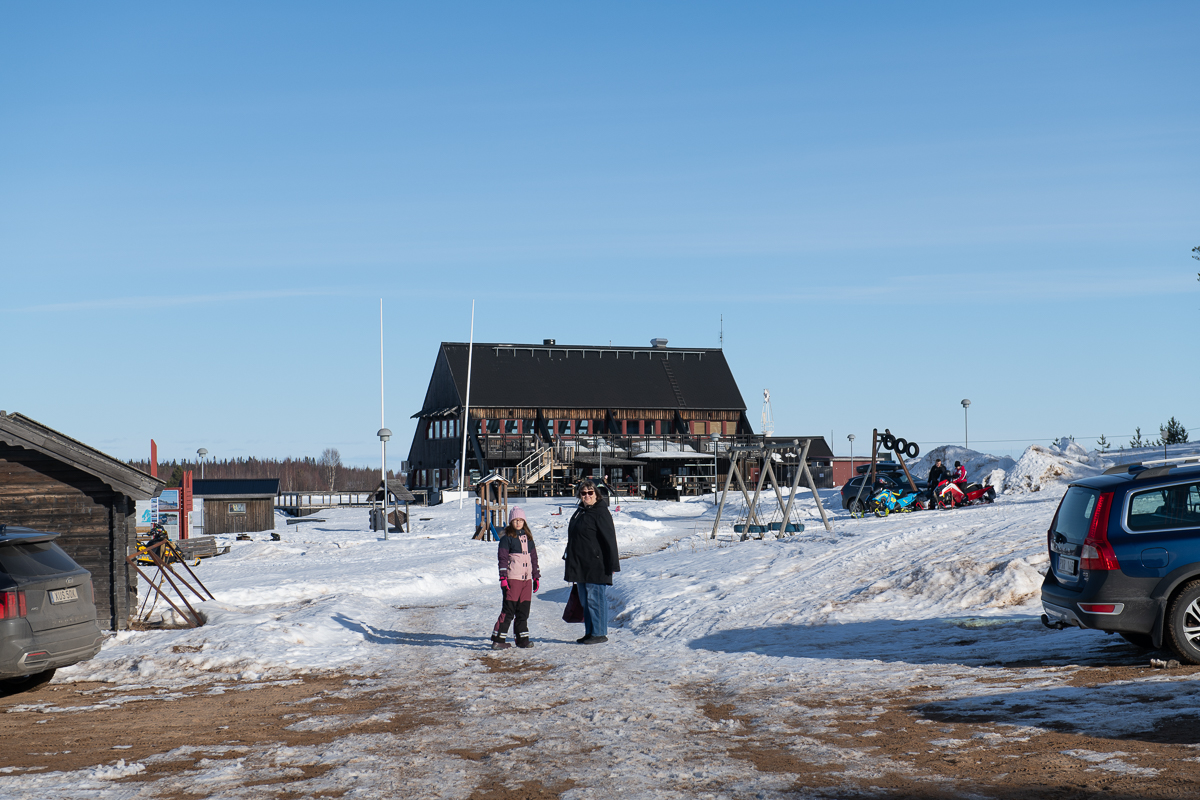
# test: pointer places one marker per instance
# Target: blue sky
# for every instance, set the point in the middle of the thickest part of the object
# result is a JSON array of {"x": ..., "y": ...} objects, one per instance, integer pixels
[{"x": 894, "y": 206}]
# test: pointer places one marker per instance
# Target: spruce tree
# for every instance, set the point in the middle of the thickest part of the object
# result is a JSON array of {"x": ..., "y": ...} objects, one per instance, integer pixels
[
  {"x": 1173, "y": 432},
  {"x": 1102, "y": 443},
  {"x": 1136, "y": 441}
]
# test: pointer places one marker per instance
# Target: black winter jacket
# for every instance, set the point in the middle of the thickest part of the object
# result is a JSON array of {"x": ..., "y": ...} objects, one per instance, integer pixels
[
  {"x": 936, "y": 474},
  {"x": 591, "y": 546}
]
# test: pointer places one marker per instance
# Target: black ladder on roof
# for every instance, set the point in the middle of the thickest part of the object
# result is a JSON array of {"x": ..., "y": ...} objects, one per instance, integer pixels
[{"x": 674, "y": 383}]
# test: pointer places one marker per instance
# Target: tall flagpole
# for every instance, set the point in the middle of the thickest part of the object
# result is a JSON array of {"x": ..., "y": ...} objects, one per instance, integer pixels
[{"x": 466, "y": 416}]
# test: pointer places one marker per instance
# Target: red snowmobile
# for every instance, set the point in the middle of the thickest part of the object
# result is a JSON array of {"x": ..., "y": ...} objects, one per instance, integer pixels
[{"x": 952, "y": 495}]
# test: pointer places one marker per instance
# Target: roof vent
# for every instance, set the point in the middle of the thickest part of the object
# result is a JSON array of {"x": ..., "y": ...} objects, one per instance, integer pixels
[
  {"x": 549, "y": 342},
  {"x": 658, "y": 342}
]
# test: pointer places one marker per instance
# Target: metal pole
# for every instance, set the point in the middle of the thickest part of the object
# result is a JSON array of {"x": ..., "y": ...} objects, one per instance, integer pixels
[
  {"x": 466, "y": 417},
  {"x": 966, "y": 441}
]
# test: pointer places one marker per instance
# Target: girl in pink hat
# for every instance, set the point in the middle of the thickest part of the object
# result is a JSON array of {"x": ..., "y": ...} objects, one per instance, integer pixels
[{"x": 519, "y": 576}]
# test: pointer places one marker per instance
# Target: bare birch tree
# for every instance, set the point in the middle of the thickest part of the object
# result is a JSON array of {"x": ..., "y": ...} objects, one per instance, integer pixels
[{"x": 330, "y": 462}]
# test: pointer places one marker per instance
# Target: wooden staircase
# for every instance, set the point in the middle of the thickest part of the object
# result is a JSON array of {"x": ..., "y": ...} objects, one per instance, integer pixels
[{"x": 535, "y": 466}]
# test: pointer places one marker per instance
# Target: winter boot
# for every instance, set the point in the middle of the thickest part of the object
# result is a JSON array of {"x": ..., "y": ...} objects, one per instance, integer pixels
[
  {"x": 498, "y": 643},
  {"x": 524, "y": 642}
]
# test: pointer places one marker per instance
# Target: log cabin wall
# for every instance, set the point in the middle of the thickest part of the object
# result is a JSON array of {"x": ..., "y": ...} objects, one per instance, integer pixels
[
  {"x": 259, "y": 515},
  {"x": 96, "y": 524}
]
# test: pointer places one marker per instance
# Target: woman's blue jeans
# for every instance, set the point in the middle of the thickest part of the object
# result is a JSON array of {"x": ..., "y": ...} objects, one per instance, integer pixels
[{"x": 594, "y": 598}]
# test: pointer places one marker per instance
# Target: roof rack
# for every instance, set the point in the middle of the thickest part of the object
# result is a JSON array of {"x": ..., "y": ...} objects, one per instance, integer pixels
[{"x": 1154, "y": 467}]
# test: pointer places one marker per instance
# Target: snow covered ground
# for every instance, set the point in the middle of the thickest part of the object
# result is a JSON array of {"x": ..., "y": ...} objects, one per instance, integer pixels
[{"x": 935, "y": 606}]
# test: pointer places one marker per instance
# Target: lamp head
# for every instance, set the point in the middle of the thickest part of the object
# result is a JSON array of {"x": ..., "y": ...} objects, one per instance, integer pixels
[
  {"x": 966, "y": 403},
  {"x": 202, "y": 452},
  {"x": 384, "y": 434}
]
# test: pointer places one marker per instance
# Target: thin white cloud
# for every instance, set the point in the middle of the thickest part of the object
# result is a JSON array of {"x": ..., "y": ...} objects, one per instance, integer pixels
[{"x": 162, "y": 301}]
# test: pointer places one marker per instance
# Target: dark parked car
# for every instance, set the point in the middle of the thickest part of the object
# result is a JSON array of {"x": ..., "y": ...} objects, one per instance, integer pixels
[
  {"x": 47, "y": 609},
  {"x": 893, "y": 477},
  {"x": 1125, "y": 557}
]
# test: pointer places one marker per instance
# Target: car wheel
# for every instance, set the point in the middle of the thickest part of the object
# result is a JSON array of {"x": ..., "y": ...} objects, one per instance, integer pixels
[
  {"x": 1142, "y": 640},
  {"x": 26, "y": 682},
  {"x": 1183, "y": 623}
]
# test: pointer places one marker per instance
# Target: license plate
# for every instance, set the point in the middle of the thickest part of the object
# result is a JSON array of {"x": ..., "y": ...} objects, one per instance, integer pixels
[
  {"x": 1067, "y": 566},
  {"x": 64, "y": 595}
]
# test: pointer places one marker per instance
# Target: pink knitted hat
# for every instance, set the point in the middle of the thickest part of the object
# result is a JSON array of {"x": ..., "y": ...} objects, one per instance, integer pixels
[{"x": 516, "y": 513}]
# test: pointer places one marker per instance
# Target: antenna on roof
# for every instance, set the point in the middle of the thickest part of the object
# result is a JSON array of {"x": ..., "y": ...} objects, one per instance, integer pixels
[{"x": 721, "y": 340}]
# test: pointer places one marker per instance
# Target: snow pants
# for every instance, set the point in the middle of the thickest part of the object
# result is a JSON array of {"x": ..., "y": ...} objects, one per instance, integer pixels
[{"x": 514, "y": 610}]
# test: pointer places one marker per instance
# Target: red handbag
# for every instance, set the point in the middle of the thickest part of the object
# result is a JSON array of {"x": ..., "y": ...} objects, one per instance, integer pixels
[{"x": 574, "y": 610}]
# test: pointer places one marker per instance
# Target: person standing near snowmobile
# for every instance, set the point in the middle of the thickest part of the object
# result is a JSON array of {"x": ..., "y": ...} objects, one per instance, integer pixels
[
  {"x": 592, "y": 559},
  {"x": 936, "y": 474}
]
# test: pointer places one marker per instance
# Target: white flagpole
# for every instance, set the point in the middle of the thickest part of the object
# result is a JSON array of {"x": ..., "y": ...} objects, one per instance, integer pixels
[{"x": 466, "y": 416}]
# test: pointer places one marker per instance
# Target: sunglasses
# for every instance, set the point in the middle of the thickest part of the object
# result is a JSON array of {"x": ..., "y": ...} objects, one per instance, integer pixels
[{"x": 585, "y": 494}]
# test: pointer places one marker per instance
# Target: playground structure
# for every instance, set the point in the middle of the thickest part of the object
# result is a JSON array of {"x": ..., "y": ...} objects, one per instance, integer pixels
[
  {"x": 901, "y": 447},
  {"x": 769, "y": 453},
  {"x": 166, "y": 583},
  {"x": 491, "y": 509}
]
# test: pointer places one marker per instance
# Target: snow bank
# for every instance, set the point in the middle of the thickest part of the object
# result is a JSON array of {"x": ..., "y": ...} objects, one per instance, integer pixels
[
  {"x": 1040, "y": 467},
  {"x": 981, "y": 467}
]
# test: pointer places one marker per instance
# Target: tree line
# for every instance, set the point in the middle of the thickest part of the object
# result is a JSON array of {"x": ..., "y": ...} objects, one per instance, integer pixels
[
  {"x": 1170, "y": 432},
  {"x": 326, "y": 473}
]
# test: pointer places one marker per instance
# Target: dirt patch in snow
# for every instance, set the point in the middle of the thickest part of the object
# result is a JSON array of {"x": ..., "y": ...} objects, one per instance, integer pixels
[
  {"x": 887, "y": 745},
  {"x": 61, "y": 727}
]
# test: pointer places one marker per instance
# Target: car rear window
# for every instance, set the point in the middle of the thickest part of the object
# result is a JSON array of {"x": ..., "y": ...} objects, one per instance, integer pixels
[
  {"x": 34, "y": 560},
  {"x": 1165, "y": 508},
  {"x": 1075, "y": 513}
]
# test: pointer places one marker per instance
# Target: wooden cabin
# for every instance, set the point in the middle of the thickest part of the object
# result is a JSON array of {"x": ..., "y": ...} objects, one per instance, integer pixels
[
  {"x": 237, "y": 505},
  {"x": 51, "y": 482},
  {"x": 544, "y": 416}
]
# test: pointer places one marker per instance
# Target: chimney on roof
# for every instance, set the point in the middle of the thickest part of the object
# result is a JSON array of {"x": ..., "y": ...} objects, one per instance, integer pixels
[
  {"x": 549, "y": 342},
  {"x": 658, "y": 342}
]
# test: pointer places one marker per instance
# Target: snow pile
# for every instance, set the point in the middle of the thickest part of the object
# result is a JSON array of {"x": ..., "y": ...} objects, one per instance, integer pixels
[
  {"x": 1042, "y": 467},
  {"x": 981, "y": 467}
]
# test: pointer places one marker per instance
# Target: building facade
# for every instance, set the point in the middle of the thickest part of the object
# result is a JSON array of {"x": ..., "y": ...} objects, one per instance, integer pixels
[
  {"x": 650, "y": 419},
  {"x": 51, "y": 482}
]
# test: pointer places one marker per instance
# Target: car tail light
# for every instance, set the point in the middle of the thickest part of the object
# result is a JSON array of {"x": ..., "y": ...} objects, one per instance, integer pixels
[
  {"x": 1098, "y": 608},
  {"x": 14, "y": 604},
  {"x": 1097, "y": 553}
]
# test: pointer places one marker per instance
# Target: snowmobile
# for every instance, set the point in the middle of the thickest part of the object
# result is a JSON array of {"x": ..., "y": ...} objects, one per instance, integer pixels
[
  {"x": 885, "y": 502},
  {"x": 952, "y": 495}
]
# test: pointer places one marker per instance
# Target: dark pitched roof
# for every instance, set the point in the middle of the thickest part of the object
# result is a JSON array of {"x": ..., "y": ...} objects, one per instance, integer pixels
[
  {"x": 236, "y": 487},
  {"x": 558, "y": 376},
  {"x": 18, "y": 430}
]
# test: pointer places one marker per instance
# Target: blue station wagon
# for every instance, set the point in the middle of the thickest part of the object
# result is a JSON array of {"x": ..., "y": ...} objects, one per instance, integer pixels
[{"x": 1125, "y": 556}]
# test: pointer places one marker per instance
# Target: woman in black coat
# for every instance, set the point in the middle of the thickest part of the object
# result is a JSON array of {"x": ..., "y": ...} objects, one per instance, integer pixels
[{"x": 592, "y": 559}]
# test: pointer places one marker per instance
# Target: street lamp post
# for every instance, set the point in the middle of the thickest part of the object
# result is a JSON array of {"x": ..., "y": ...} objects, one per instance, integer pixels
[
  {"x": 384, "y": 434},
  {"x": 201, "y": 453},
  {"x": 966, "y": 439}
]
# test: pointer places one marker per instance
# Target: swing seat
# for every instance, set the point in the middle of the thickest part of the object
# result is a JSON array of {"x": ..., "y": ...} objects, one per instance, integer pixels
[
  {"x": 758, "y": 529},
  {"x": 775, "y": 527},
  {"x": 739, "y": 527},
  {"x": 795, "y": 527}
]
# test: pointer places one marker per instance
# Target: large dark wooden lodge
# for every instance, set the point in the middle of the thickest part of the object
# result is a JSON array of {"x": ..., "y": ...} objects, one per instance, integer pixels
[
  {"x": 542, "y": 416},
  {"x": 50, "y": 482}
]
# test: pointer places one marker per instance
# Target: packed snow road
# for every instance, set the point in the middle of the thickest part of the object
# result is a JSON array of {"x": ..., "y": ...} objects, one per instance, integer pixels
[{"x": 889, "y": 656}]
